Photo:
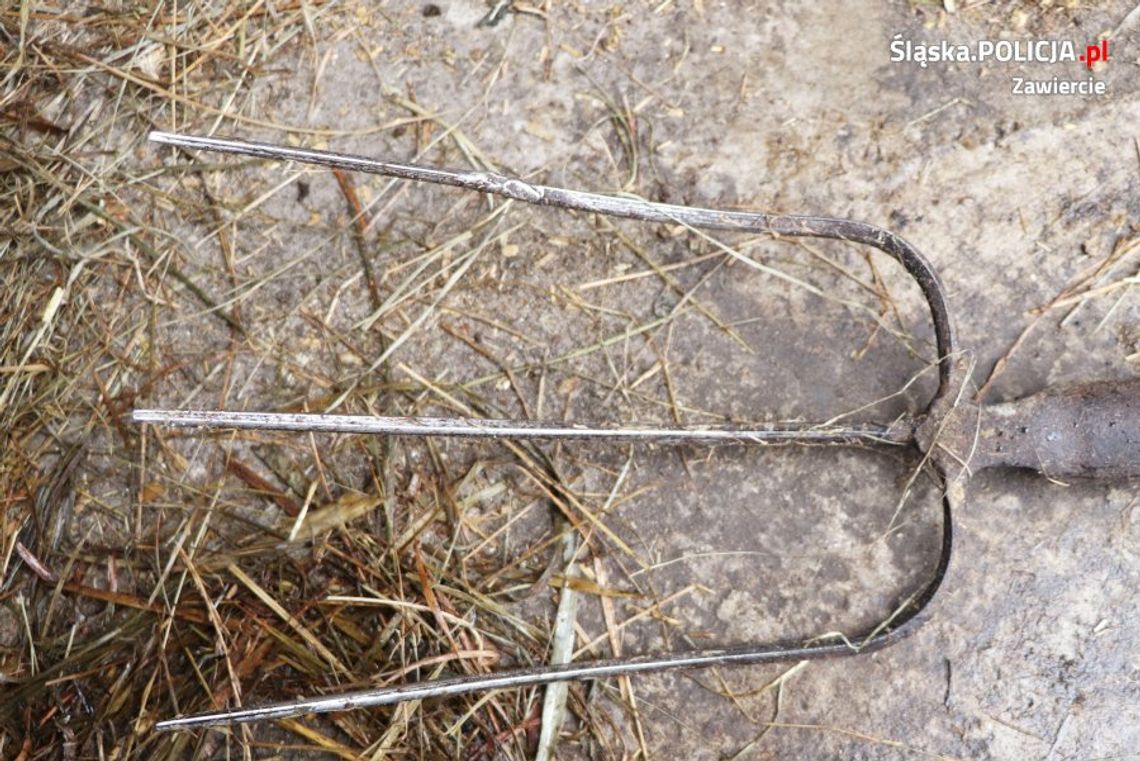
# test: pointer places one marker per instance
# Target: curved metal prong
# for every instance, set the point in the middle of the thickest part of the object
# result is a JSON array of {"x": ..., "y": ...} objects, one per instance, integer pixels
[
  {"x": 629, "y": 207},
  {"x": 903, "y": 623}
]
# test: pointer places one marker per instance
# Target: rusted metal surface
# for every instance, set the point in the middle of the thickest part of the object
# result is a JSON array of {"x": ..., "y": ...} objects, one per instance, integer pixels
[{"x": 1090, "y": 430}]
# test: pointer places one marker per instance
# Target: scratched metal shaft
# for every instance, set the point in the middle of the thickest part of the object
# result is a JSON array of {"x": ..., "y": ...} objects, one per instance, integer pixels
[{"x": 784, "y": 433}]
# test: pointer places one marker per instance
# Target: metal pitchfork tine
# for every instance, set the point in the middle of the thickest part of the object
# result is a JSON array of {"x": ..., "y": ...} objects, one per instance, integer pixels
[{"x": 1084, "y": 431}]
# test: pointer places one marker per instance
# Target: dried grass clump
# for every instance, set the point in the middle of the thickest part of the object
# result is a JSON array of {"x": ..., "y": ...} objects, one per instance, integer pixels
[{"x": 145, "y": 574}]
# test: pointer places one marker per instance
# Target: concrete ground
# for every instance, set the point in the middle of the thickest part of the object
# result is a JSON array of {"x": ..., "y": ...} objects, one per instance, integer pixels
[{"x": 798, "y": 108}]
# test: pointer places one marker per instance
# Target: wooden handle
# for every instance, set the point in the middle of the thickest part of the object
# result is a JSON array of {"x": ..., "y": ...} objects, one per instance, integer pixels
[{"x": 1086, "y": 431}]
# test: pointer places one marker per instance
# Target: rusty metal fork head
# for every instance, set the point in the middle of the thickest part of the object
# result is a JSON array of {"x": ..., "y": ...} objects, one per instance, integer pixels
[{"x": 1089, "y": 431}]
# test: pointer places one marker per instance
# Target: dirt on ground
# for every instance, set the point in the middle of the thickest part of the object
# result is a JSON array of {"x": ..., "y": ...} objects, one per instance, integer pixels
[{"x": 282, "y": 287}]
